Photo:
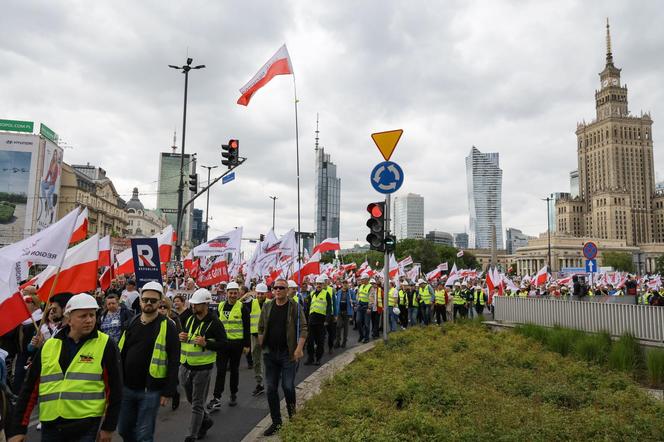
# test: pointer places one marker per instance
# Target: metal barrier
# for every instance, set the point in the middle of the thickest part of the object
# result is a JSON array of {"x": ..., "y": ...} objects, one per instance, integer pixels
[{"x": 642, "y": 321}]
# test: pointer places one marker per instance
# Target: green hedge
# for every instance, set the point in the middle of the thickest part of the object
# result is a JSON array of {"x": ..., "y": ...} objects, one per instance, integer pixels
[
  {"x": 6, "y": 211},
  {"x": 13, "y": 197},
  {"x": 471, "y": 384}
]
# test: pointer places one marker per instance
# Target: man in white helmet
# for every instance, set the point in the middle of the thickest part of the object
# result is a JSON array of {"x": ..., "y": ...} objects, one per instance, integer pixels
[
  {"x": 320, "y": 314},
  {"x": 203, "y": 335},
  {"x": 77, "y": 379},
  {"x": 150, "y": 355}
]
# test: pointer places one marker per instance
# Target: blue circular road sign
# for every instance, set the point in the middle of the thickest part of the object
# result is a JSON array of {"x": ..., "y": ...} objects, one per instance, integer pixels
[
  {"x": 386, "y": 177},
  {"x": 590, "y": 250}
]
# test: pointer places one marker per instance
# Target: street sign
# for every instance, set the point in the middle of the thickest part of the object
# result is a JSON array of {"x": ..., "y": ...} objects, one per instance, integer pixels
[
  {"x": 590, "y": 250},
  {"x": 591, "y": 265},
  {"x": 228, "y": 178},
  {"x": 169, "y": 210},
  {"x": 48, "y": 133},
  {"x": 17, "y": 126},
  {"x": 386, "y": 177},
  {"x": 387, "y": 141}
]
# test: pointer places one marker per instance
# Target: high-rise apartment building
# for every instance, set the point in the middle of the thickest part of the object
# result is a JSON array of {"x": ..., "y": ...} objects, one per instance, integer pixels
[
  {"x": 617, "y": 198},
  {"x": 408, "y": 216},
  {"x": 484, "y": 178},
  {"x": 328, "y": 195}
]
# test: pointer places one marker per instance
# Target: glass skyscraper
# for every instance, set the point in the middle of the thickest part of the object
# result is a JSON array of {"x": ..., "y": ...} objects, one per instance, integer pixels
[
  {"x": 167, "y": 197},
  {"x": 328, "y": 196},
  {"x": 408, "y": 216},
  {"x": 484, "y": 178}
]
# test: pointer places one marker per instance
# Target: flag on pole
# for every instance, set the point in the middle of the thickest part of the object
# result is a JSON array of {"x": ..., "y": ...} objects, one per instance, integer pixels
[
  {"x": 278, "y": 64},
  {"x": 105, "y": 251},
  {"x": 226, "y": 243},
  {"x": 312, "y": 267},
  {"x": 81, "y": 229},
  {"x": 327, "y": 245},
  {"x": 542, "y": 276}
]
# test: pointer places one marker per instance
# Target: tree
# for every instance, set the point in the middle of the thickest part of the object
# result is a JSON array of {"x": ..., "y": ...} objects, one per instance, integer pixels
[
  {"x": 659, "y": 265},
  {"x": 620, "y": 261}
]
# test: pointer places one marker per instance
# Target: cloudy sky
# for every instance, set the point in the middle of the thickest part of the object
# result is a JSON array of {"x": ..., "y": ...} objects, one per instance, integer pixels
[{"x": 507, "y": 76}]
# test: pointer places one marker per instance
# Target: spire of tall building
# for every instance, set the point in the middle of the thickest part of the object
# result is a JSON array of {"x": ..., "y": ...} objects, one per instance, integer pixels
[
  {"x": 317, "y": 131},
  {"x": 609, "y": 55},
  {"x": 174, "y": 146}
]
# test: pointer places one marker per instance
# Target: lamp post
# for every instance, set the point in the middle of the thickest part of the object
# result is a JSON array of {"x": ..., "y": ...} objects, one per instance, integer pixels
[
  {"x": 207, "y": 204},
  {"x": 274, "y": 205},
  {"x": 185, "y": 70},
  {"x": 548, "y": 228}
]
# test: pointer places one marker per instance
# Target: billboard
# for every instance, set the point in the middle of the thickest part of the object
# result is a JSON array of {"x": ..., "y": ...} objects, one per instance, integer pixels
[
  {"x": 19, "y": 156},
  {"x": 49, "y": 185}
]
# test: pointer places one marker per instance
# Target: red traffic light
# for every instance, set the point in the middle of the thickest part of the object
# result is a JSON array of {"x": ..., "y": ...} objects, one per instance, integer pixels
[
  {"x": 375, "y": 210},
  {"x": 233, "y": 144}
]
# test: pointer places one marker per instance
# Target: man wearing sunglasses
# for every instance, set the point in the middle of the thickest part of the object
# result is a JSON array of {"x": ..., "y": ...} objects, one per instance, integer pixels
[
  {"x": 150, "y": 352},
  {"x": 282, "y": 332}
]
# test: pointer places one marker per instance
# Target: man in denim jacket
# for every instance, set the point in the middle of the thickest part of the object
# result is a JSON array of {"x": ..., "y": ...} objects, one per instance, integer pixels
[{"x": 343, "y": 311}]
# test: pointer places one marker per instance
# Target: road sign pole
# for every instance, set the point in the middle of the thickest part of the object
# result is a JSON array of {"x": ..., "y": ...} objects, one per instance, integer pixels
[{"x": 386, "y": 267}]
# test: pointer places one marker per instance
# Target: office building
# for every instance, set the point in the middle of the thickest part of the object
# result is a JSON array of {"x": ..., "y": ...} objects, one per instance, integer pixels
[
  {"x": 461, "y": 240},
  {"x": 574, "y": 183},
  {"x": 515, "y": 239},
  {"x": 438, "y": 237},
  {"x": 484, "y": 179},
  {"x": 328, "y": 195},
  {"x": 408, "y": 216},
  {"x": 198, "y": 229}
]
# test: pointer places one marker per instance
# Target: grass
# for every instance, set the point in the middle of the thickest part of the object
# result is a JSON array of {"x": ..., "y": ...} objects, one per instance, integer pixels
[
  {"x": 626, "y": 354},
  {"x": 655, "y": 367},
  {"x": 472, "y": 384},
  {"x": 593, "y": 348},
  {"x": 6, "y": 211}
]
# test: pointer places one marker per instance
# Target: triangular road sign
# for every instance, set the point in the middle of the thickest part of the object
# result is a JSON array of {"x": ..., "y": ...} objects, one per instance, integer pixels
[{"x": 387, "y": 141}]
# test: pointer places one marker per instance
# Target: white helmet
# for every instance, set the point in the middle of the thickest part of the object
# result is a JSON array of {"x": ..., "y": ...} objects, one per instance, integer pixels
[
  {"x": 201, "y": 296},
  {"x": 396, "y": 311},
  {"x": 372, "y": 281},
  {"x": 292, "y": 284},
  {"x": 261, "y": 288},
  {"x": 421, "y": 281},
  {"x": 320, "y": 279},
  {"x": 232, "y": 286},
  {"x": 80, "y": 302},
  {"x": 154, "y": 286},
  {"x": 457, "y": 284}
]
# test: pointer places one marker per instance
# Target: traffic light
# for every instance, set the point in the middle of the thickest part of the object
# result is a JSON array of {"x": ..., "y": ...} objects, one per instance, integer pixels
[
  {"x": 261, "y": 237},
  {"x": 193, "y": 182},
  {"x": 376, "y": 225},
  {"x": 231, "y": 153},
  {"x": 390, "y": 243}
]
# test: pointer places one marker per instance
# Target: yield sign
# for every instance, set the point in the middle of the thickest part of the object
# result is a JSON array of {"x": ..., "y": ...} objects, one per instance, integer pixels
[{"x": 387, "y": 141}]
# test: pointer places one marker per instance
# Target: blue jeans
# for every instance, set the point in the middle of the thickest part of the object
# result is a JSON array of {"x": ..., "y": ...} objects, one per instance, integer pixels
[
  {"x": 412, "y": 314},
  {"x": 279, "y": 365},
  {"x": 58, "y": 432},
  {"x": 393, "y": 320},
  {"x": 363, "y": 320},
  {"x": 138, "y": 415}
]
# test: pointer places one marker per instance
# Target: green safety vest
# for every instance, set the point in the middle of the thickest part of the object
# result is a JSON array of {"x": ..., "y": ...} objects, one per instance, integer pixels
[
  {"x": 233, "y": 325},
  {"x": 318, "y": 303},
  {"x": 440, "y": 297},
  {"x": 159, "y": 360},
  {"x": 255, "y": 315},
  {"x": 391, "y": 301},
  {"x": 80, "y": 392},
  {"x": 191, "y": 353},
  {"x": 458, "y": 298},
  {"x": 479, "y": 297},
  {"x": 403, "y": 299},
  {"x": 523, "y": 294},
  {"x": 425, "y": 295},
  {"x": 363, "y": 293}
]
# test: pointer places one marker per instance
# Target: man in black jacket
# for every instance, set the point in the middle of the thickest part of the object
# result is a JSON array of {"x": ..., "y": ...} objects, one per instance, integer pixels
[{"x": 150, "y": 351}]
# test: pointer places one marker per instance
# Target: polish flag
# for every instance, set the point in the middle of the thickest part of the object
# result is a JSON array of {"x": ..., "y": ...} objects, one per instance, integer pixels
[
  {"x": 278, "y": 64},
  {"x": 165, "y": 240},
  {"x": 312, "y": 267},
  {"x": 13, "y": 311},
  {"x": 408, "y": 260},
  {"x": 327, "y": 245},
  {"x": 435, "y": 273},
  {"x": 105, "y": 251},
  {"x": 460, "y": 254},
  {"x": 124, "y": 262},
  {"x": 188, "y": 262},
  {"x": 541, "y": 277},
  {"x": 78, "y": 272},
  {"x": 453, "y": 276},
  {"x": 105, "y": 279},
  {"x": 81, "y": 229}
]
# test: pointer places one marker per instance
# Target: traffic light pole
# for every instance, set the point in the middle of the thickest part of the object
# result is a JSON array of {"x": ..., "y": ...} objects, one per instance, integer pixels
[
  {"x": 202, "y": 191},
  {"x": 386, "y": 276}
]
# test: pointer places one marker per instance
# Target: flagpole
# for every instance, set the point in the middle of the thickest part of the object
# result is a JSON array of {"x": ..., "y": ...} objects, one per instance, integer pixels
[{"x": 299, "y": 231}]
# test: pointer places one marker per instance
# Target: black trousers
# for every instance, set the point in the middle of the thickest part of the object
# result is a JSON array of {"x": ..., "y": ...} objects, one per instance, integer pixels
[
  {"x": 230, "y": 355},
  {"x": 331, "y": 329},
  {"x": 479, "y": 308},
  {"x": 441, "y": 313},
  {"x": 461, "y": 310},
  {"x": 375, "y": 324},
  {"x": 316, "y": 341},
  {"x": 403, "y": 315}
]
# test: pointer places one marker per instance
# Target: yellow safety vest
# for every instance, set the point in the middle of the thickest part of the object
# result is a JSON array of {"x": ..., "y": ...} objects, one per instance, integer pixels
[
  {"x": 363, "y": 293},
  {"x": 194, "y": 354},
  {"x": 425, "y": 295},
  {"x": 439, "y": 297},
  {"x": 523, "y": 294},
  {"x": 458, "y": 298},
  {"x": 159, "y": 361},
  {"x": 479, "y": 297},
  {"x": 403, "y": 299},
  {"x": 391, "y": 300},
  {"x": 318, "y": 303},
  {"x": 233, "y": 325},
  {"x": 255, "y": 315},
  {"x": 80, "y": 392}
]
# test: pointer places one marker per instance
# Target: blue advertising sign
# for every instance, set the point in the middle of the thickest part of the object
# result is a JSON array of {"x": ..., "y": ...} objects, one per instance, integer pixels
[{"x": 145, "y": 252}]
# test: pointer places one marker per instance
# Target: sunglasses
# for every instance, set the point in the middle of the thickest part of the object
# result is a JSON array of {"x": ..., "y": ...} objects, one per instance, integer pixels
[
  {"x": 150, "y": 300},
  {"x": 279, "y": 287},
  {"x": 162, "y": 306}
]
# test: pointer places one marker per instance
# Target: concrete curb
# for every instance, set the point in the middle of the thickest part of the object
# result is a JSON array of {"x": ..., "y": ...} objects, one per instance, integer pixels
[{"x": 308, "y": 388}]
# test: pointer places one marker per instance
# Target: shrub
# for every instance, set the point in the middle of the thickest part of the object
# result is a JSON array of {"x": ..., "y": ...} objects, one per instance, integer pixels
[
  {"x": 593, "y": 348},
  {"x": 561, "y": 340},
  {"x": 655, "y": 367},
  {"x": 536, "y": 332},
  {"x": 625, "y": 354}
]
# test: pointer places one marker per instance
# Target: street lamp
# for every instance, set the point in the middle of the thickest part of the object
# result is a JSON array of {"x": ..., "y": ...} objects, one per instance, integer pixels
[
  {"x": 185, "y": 70},
  {"x": 207, "y": 204},
  {"x": 274, "y": 204},
  {"x": 548, "y": 226}
]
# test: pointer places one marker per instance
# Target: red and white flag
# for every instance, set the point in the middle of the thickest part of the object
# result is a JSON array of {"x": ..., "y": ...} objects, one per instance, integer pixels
[
  {"x": 215, "y": 274},
  {"x": 312, "y": 267},
  {"x": 105, "y": 279},
  {"x": 222, "y": 244},
  {"x": 188, "y": 261},
  {"x": 327, "y": 245},
  {"x": 105, "y": 251},
  {"x": 165, "y": 240},
  {"x": 81, "y": 229},
  {"x": 278, "y": 64},
  {"x": 78, "y": 272},
  {"x": 408, "y": 260},
  {"x": 124, "y": 263},
  {"x": 460, "y": 254},
  {"x": 541, "y": 277}
]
